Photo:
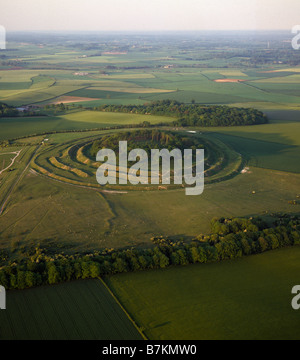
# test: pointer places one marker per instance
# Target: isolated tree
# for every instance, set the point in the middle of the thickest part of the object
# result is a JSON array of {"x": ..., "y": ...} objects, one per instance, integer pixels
[
  {"x": 86, "y": 273},
  {"x": 94, "y": 270},
  {"x": 53, "y": 274}
]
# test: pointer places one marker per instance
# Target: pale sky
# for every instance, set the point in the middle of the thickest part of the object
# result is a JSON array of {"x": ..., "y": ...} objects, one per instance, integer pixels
[{"x": 146, "y": 15}]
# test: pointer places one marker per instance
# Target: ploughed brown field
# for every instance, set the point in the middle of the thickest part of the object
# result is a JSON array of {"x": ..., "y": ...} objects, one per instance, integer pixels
[
  {"x": 72, "y": 99},
  {"x": 228, "y": 80}
]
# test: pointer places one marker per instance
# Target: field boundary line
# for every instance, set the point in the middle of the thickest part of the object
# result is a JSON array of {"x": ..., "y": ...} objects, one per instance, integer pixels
[
  {"x": 57, "y": 96},
  {"x": 122, "y": 307}
]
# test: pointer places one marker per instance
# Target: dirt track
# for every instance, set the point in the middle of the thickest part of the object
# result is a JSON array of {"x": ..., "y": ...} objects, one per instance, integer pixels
[{"x": 13, "y": 160}]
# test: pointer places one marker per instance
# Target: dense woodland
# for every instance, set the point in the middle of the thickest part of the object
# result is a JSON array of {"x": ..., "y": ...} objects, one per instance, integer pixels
[
  {"x": 230, "y": 238},
  {"x": 194, "y": 114}
]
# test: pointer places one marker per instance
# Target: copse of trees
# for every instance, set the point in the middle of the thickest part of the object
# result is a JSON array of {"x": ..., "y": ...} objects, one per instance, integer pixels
[
  {"x": 7, "y": 111},
  {"x": 194, "y": 114},
  {"x": 230, "y": 238},
  {"x": 146, "y": 140}
]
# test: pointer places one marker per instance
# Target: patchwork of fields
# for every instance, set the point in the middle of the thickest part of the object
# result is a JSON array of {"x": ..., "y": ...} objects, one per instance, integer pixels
[
  {"x": 207, "y": 86},
  {"x": 49, "y": 196}
]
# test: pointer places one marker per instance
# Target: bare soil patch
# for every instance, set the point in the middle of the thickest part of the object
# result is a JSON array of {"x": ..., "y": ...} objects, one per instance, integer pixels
[
  {"x": 72, "y": 99},
  {"x": 228, "y": 80}
]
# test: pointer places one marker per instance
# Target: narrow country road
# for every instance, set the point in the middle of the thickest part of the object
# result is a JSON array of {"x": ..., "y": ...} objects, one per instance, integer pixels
[{"x": 17, "y": 153}]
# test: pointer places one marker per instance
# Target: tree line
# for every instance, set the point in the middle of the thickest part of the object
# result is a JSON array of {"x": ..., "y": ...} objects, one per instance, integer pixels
[
  {"x": 193, "y": 114},
  {"x": 230, "y": 238}
]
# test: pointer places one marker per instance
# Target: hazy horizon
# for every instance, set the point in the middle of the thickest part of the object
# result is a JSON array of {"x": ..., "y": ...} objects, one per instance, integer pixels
[
  {"x": 74, "y": 31},
  {"x": 149, "y": 15}
]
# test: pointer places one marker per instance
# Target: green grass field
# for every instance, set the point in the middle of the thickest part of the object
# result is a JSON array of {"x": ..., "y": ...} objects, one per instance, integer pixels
[
  {"x": 110, "y": 119},
  {"x": 60, "y": 215},
  {"x": 243, "y": 299},
  {"x": 120, "y": 220},
  {"x": 83, "y": 310},
  {"x": 81, "y": 120}
]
